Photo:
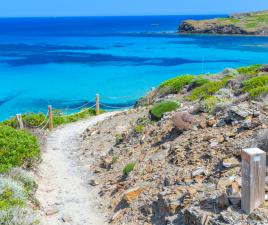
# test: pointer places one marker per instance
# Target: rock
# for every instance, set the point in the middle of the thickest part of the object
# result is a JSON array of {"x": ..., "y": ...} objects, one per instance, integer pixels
[
  {"x": 213, "y": 144},
  {"x": 264, "y": 68},
  {"x": 51, "y": 212},
  {"x": 256, "y": 216},
  {"x": 183, "y": 121},
  {"x": 235, "y": 199},
  {"x": 220, "y": 139},
  {"x": 222, "y": 201},
  {"x": 194, "y": 216},
  {"x": 221, "y": 123},
  {"x": 237, "y": 113},
  {"x": 211, "y": 122},
  {"x": 229, "y": 71},
  {"x": 198, "y": 171},
  {"x": 223, "y": 183},
  {"x": 93, "y": 183},
  {"x": 234, "y": 188},
  {"x": 117, "y": 216},
  {"x": 132, "y": 194},
  {"x": 230, "y": 162}
]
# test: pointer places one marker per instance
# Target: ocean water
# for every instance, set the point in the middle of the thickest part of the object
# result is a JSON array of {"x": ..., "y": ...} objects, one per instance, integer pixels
[{"x": 66, "y": 61}]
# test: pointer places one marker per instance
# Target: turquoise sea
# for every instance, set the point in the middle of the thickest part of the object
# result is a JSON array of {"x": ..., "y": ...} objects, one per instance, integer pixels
[{"x": 66, "y": 61}]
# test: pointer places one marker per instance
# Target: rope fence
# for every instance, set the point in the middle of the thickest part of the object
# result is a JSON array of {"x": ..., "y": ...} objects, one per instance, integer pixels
[{"x": 95, "y": 104}]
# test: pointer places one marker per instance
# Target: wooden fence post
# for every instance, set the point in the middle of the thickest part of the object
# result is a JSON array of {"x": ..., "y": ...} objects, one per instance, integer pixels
[
  {"x": 50, "y": 114},
  {"x": 253, "y": 179},
  {"x": 20, "y": 122},
  {"x": 97, "y": 104}
]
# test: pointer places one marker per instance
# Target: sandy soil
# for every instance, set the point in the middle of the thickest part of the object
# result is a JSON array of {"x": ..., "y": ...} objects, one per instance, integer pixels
[{"x": 64, "y": 192}]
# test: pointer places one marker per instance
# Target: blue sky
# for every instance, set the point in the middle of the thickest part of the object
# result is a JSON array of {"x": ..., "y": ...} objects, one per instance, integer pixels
[{"x": 10, "y": 8}]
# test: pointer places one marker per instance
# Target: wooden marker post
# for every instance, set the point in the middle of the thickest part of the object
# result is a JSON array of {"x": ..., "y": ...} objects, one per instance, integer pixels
[
  {"x": 97, "y": 104},
  {"x": 20, "y": 122},
  {"x": 50, "y": 114},
  {"x": 253, "y": 179}
]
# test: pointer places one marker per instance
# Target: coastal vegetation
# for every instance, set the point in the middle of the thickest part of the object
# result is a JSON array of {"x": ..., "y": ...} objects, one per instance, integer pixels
[
  {"x": 128, "y": 168},
  {"x": 17, "y": 148},
  {"x": 35, "y": 119},
  {"x": 255, "y": 23},
  {"x": 157, "y": 111},
  {"x": 188, "y": 159}
]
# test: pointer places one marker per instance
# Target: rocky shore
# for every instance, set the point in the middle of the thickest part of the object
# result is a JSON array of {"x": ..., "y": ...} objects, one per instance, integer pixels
[
  {"x": 186, "y": 167},
  {"x": 240, "y": 24}
]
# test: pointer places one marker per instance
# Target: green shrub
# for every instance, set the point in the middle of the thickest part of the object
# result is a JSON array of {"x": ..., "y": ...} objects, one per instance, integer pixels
[
  {"x": 128, "y": 168},
  {"x": 11, "y": 193},
  {"x": 158, "y": 109},
  {"x": 139, "y": 128},
  {"x": 210, "y": 103},
  {"x": 256, "y": 86},
  {"x": 208, "y": 89},
  {"x": 249, "y": 70},
  {"x": 176, "y": 84},
  {"x": 118, "y": 139},
  {"x": 17, "y": 148},
  {"x": 35, "y": 119},
  {"x": 85, "y": 113},
  {"x": 200, "y": 81},
  {"x": 255, "y": 82},
  {"x": 258, "y": 91}
]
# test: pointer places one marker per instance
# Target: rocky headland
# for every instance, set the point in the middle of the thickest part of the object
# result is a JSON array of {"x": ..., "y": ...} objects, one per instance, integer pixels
[
  {"x": 255, "y": 23},
  {"x": 175, "y": 158}
]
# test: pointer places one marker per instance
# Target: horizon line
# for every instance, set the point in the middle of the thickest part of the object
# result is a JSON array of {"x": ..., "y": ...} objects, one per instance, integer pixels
[{"x": 210, "y": 14}]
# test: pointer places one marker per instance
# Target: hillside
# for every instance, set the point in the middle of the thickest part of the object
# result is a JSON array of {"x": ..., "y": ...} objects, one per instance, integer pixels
[
  {"x": 175, "y": 158},
  {"x": 255, "y": 23}
]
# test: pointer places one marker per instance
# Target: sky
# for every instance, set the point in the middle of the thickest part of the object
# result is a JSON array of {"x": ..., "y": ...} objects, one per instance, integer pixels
[{"x": 40, "y": 8}]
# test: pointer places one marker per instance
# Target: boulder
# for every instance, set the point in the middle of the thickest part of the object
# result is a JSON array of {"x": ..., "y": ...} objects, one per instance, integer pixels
[{"x": 132, "y": 194}]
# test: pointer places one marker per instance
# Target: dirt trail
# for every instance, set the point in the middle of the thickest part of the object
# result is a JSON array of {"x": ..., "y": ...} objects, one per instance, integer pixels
[{"x": 64, "y": 193}]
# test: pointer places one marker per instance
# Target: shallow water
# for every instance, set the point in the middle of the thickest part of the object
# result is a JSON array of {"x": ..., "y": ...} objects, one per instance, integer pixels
[{"x": 66, "y": 61}]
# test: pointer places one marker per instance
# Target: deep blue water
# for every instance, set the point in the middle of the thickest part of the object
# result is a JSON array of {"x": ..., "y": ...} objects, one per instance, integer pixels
[{"x": 66, "y": 61}]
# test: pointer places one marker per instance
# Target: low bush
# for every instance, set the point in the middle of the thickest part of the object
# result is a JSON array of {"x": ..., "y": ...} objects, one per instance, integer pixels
[
  {"x": 183, "y": 121},
  {"x": 128, "y": 168},
  {"x": 11, "y": 193},
  {"x": 17, "y": 216},
  {"x": 17, "y": 148},
  {"x": 64, "y": 119},
  {"x": 35, "y": 119},
  {"x": 176, "y": 84},
  {"x": 256, "y": 86},
  {"x": 24, "y": 177},
  {"x": 249, "y": 70},
  {"x": 139, "y": 128},
  {"x": 158, "y": 110},
  {"x": 210, "y": 103},
  {"x": 208, "y": 89}
]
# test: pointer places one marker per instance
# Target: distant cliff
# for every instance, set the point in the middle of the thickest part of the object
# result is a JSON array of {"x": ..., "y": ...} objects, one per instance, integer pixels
[{"x": 255, "y": 23}]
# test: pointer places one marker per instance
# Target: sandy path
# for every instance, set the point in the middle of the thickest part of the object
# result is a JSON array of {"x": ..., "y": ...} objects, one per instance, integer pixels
[{"x": 64, "y": 193}]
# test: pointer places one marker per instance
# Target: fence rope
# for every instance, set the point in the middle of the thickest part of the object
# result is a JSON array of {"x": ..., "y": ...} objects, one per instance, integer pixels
[
  {"x": 67, "y": 115},
  {"x": 79, "y": 107},
  {"x": 116, "y": 107},
  {"x": 43, "y": 128},
  {"x": 28, "y": 125},
  {"x": 118, "y": 97}
]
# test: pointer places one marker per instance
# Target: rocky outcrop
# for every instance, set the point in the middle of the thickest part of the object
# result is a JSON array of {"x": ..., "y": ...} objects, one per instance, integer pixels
[{"x": 242, "y": 24}]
